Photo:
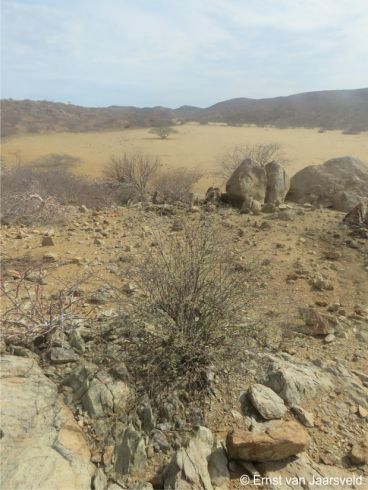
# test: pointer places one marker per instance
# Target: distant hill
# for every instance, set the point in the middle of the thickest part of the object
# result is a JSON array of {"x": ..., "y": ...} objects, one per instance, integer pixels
[{"x": 334, "y": 109}]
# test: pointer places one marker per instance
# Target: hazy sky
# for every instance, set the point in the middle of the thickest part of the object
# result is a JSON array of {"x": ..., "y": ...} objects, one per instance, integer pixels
[{"x": 174, "y": 52}]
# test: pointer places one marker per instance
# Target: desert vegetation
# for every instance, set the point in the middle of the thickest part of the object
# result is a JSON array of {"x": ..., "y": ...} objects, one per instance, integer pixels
[
  {"x": 36, "y": 192},
  {"x": 261, "y": 153},
  {"x": 163, "y": 132},
  {"x": 135, "y": 170},
  {"x": 176, "y": 184},
  {"x": 162, "y": 316},
  {"x": 190, "y": 280},
  {"x": 34, "y": 319},
  {"x": 153, "y": 318}
]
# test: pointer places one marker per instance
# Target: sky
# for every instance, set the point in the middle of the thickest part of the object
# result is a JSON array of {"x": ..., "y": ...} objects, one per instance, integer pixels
[{"x": 176, "y": 52}]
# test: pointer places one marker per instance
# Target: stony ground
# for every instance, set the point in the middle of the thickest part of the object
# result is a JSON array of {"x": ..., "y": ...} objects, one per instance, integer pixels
[{"x": 298, "y": 261}]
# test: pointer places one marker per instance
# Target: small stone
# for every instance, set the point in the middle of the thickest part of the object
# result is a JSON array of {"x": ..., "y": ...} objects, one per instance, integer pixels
[
  {"x": 107, "y": 455},
  {"x": 160, "y": 442},
  {"x": 363, "y": 412},
  {"x": 177, "y": 226},
  {"x": 77, "y": 341},
  {"x": 47, "y": 241},
  {"x": 332, "y": 255},
  {"x": 77, "y": 260},
  {"x": 304, "y": 417},
  {"x": 62, "y": 355},
  {"x": 50, "y": 257},
  {"x": 329, "y": 338},
  {"x": 359, "y": 453},
  {"x": 13, "y": 274},
  {"x": 267, "y": 402},
  {"x": 21, "y": 234},
  {"x": 268, "y": 208},
  {"x": 128, "y": 288}
]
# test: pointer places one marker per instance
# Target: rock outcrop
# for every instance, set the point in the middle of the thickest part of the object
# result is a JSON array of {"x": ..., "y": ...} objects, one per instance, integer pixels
[
  {"x": 189, "y": 466},
  {"x": 339, "y": 183},
  {"x": 249, "y": 180},
  {"x": 252, "y": 181},
  {"x": 279, "y": 441},
  {"x": 358, "y": 216},
  {"x": 42, "y": 446},
  {"x": 97, "y": 391},
  {"x": 295, "y": 381},
  {"x": 278, "y": 183},
  {"x": 131, "y": 453}
]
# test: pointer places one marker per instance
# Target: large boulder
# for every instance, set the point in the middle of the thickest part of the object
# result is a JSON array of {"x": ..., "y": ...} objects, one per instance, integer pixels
[
  {"x": 42, "y": 445},
  {"x": 253, "y": 182},
  {"x": 248, "y": 181},
  {"x": 339, "y": 183},
  {"x": 278, "y": 183}
]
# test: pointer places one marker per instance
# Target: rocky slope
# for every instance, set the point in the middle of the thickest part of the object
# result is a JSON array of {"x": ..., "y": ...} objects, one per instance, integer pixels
[
  {"x": 289, "y": 401},
  {"x": 334, "y": 109}
]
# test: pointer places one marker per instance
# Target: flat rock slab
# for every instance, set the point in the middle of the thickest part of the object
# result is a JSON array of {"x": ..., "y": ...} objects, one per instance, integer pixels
[
  {"x": 42, "y": 447},
  {"x": 295, "y": 381},
  {"x": 279, "y": 441},
  {"x": 267, "y": 402}
]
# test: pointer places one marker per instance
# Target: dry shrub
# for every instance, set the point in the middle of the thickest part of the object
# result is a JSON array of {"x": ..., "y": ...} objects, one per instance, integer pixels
[
  {"x": 135, "y": 170},
  {"x": 189, "y": 281},
  {"x": 261, "y": 153},
  {"x": 176, "y": 184},
  {"x": 163, "y": 132},
  {"x": 33, "y": 193},
  {"x": 32, "y": 318}
]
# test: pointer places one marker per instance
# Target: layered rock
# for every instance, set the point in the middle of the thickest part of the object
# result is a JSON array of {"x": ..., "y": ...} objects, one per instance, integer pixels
[
  {"x": 358, "y": 216},
  {"x": 189, "y": 467},
  {"x": 293, "y": 382},
  {"x": 42, "y": 446}
]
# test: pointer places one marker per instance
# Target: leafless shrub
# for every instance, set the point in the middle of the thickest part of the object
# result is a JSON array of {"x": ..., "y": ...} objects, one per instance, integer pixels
[
  {"x": 189, "y": 280},
  {"x": 176, "y": 184},
  {"x": 163, "y": 132},
  {"x": 33, "y": 193},
  {"x": 262, "y": 153},
  {"x": 136, "y": 170},
  {"x": 32, "y": 318}
]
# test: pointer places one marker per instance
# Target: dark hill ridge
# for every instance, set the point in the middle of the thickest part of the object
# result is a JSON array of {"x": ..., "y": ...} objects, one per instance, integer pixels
[{"x": 335, "y": 109}]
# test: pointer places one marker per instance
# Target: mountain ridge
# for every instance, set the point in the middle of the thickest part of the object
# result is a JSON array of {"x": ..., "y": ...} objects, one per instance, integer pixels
[{"x": 346, "y": 110}]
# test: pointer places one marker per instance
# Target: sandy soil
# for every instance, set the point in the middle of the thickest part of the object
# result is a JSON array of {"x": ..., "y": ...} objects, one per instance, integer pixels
[{"x": 194, "y": 146}]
